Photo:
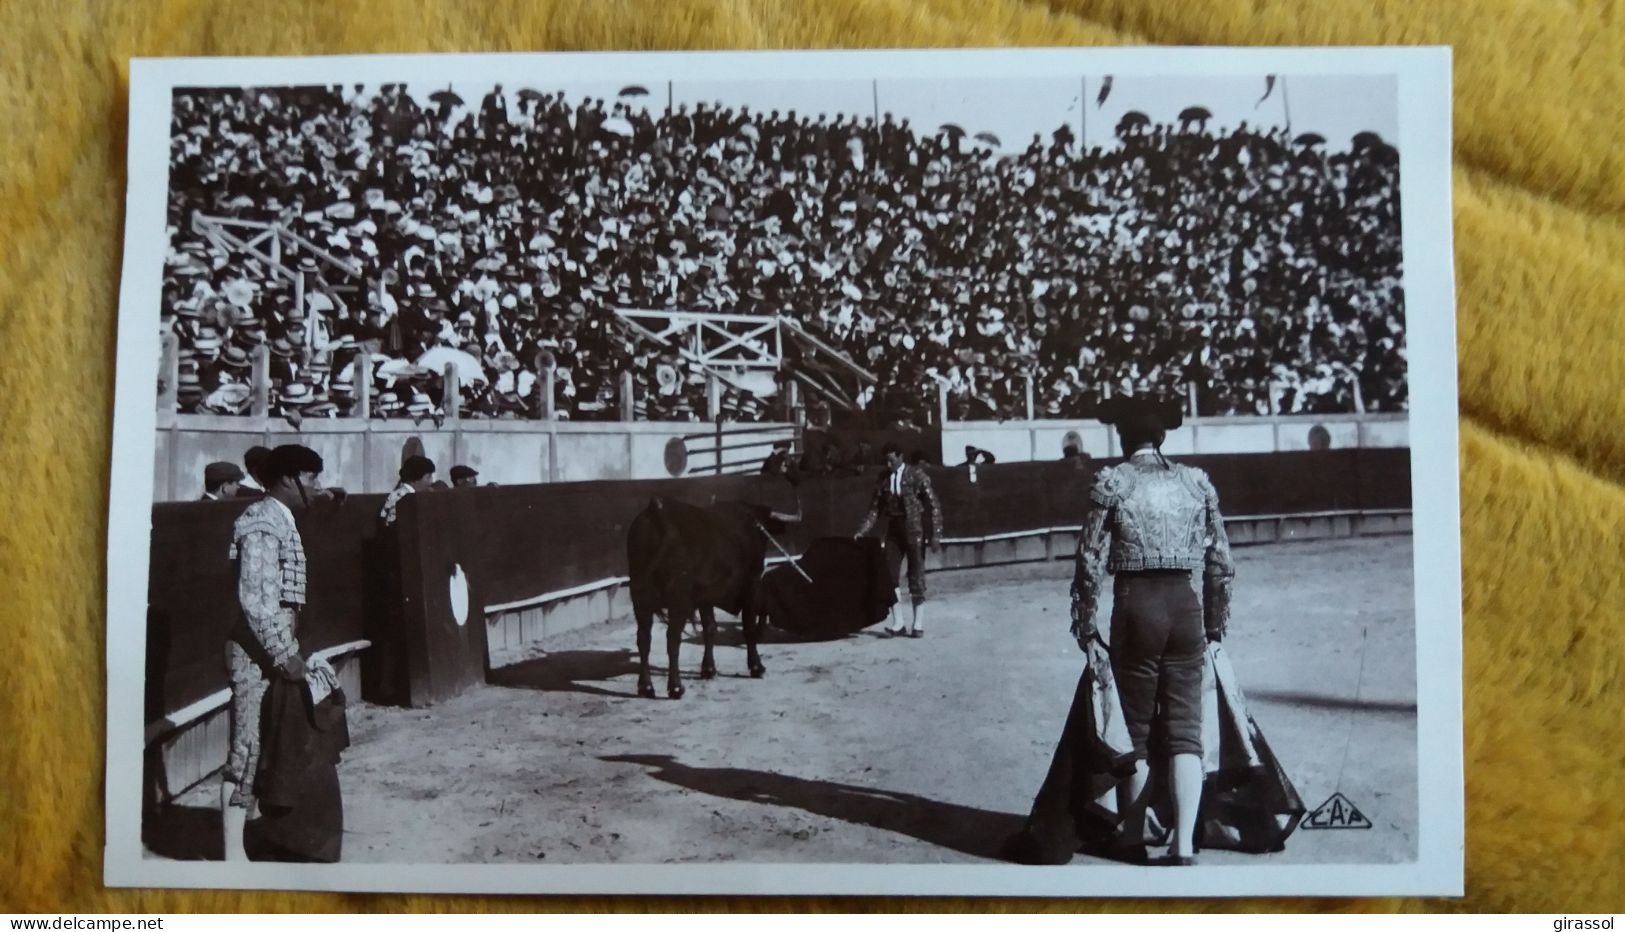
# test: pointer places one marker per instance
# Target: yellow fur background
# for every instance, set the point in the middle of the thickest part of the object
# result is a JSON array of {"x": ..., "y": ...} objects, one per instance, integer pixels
[{"x": 1540, "y": 245}]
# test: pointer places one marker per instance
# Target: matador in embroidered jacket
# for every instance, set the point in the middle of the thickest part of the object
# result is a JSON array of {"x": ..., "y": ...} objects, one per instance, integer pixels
[
  {"x": 1149, "y": 514},
  {"x": 270, "y": 558}
]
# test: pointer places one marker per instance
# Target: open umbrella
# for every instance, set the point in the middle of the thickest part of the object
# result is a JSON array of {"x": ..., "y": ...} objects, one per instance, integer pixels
[
  {"x": 989, "y": 138},
  {"x": 531, "y": 94},
  {"x": 667, "y": 379},
  {"x": 634, "y": 90},
  {"x": 749, "y": 131},
  {"x": 468, "y": 368},
  {"x": 1366, "y": 140},
  {"x": 446, "y": 99},
  {"x": 1133, "y": 119},
  {"x": 396, "y": 370},
  {"x": 239, "y": 291},
  {"x": 618, "y": 126},
  {"x": 952, "y": 129},
  {"x": 1195, "y": 115},
  {"x": 1310, "y": 139}
]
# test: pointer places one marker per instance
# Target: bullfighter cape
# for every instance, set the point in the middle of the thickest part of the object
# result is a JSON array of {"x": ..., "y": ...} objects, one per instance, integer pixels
[{"x": 1248, "y": 802}]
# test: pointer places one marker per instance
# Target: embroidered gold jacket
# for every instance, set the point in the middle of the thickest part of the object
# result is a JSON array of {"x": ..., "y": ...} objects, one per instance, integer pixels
[
  {"x": 270, "y": 559},
  {"x": 1148, "y": 516}
]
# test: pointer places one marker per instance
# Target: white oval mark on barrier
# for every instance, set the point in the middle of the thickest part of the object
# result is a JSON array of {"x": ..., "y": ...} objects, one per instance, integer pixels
[{"x": 459, "y": 595}]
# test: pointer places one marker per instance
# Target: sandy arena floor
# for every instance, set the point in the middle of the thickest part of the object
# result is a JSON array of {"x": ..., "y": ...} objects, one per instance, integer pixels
[{"x": 872, "y": 749}]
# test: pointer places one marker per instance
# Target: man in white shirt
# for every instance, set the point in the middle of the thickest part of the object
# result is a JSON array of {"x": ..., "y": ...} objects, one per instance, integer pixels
[
  {"x": 416, "y": 475},
  {"x": 220, "y": 481},
  {"x": 904, "y": 496}
]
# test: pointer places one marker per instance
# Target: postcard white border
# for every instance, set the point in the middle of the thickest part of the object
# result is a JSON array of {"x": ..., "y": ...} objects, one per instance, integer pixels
[{"x": 1424, "y": 79}]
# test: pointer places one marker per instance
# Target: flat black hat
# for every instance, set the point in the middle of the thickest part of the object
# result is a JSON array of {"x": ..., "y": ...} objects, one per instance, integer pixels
[
  {"x": 1141, "y": 414},
  {"x": 291, "y": 459},
  {"x": 416, "y": 467},
  {"x": 216, "y": 473}
]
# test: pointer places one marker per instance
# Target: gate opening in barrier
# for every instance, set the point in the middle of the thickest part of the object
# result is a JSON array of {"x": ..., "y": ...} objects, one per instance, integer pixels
[{"x": 733, "y": 450}]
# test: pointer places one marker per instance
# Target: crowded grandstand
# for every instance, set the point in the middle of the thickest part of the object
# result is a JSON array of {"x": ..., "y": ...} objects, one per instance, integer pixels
[{"x": 1244, "y": 268}]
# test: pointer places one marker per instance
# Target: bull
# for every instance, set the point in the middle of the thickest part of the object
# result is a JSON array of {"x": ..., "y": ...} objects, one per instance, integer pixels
[{"x": 683, "y": 559}]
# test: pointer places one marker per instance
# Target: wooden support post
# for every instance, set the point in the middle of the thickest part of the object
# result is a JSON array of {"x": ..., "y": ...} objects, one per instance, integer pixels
[
  {"x": 1190, "y": 399},
  {"x": 451, "y": 394},
  {"x": 1028, "y": 379},
  {"x": 169, "y": 373},
  {"x": 1359, "y": 399},
  {"x": 299, "y": 296},
  {"x": 629, "y": 410},
  {"x": 544, "y": 385},
  {"x": 362, "y": 385},
  {"x": 792, "y": 403},
  {"x": 942, "y": 405},
  {"x": 262, "y": 381},
  {"x": 713, "y": 397}
]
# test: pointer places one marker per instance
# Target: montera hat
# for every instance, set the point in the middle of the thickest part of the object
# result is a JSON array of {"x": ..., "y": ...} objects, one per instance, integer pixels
[{"x": 1141, "y": 415}]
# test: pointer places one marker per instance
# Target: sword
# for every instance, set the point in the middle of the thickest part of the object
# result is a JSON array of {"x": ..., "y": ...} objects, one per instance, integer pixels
[{"x": 783, "y": 552}]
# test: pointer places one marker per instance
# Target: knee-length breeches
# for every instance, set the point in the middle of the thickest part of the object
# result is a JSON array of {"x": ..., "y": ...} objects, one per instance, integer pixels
[
  {"x": 900, "y": 546},
  {"x": 1158, "y": 648}
]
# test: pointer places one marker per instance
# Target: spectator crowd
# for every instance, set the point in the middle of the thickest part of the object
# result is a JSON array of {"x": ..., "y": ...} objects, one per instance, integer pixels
[{"x": 501, "y": 233}]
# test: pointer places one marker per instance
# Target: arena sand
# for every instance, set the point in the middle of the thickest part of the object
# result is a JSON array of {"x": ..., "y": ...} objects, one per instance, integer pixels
[{"x": 872, "y": 749}]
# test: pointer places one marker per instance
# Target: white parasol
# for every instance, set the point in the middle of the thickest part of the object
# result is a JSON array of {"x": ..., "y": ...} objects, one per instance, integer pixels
[{"x": 468, "y": 368}]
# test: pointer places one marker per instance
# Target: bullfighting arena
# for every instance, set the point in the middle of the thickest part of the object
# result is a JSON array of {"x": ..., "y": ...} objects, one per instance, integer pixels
[{"x": 872, "y": 749}]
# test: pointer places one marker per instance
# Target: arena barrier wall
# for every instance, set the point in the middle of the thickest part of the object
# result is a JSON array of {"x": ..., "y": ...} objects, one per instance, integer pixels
[
  {"x": 1038, "y": 440},
  {"x": 192, "y": 607},
  {"x": 363, "y": 456},
  {"x": 539, "y": 560},
  {"x": 552, "y": 559},
  {"x": 928, "y": 442}
]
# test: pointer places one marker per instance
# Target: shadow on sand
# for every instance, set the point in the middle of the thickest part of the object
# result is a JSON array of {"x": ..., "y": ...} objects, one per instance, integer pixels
[
  {"x": 1333, "y": 703},
  {"x": 976, "y": 832},
  {"x": 572, "y": 671}
]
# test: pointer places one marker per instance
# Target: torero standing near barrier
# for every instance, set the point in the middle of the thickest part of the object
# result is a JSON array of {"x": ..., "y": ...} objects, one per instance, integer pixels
[
  {"x": 905, "y": 501},
  {"x": 270, "y": 559}
]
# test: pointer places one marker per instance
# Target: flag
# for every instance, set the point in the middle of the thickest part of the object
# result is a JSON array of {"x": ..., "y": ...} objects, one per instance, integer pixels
[
  {"x": 1106, "y": 89},
  {"x": 1269, "y": 88}
]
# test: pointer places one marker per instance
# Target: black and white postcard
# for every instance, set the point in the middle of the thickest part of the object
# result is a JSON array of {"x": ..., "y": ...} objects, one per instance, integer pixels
[{"x": 1004, "y": 473}]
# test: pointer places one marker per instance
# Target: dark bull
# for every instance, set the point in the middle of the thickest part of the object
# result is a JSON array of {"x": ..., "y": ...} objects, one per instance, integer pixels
[{"x": 683, "y": 558}]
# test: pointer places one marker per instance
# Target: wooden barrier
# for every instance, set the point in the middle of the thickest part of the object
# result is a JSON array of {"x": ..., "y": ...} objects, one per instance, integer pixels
[{"x": 540, "y": 559}]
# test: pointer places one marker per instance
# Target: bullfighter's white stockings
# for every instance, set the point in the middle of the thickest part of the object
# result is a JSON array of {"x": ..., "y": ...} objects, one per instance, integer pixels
[{"x": 232, "y": 820}]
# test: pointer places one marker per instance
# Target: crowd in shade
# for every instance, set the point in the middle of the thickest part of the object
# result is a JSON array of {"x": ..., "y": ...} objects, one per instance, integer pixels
[{"x": 500, "y": 233}]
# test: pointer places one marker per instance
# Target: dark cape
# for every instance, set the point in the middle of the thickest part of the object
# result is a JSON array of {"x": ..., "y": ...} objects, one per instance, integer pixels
[
  {"x": 1075, "y": 808},
  {"x": 850, "y": 590},
  {"x": 297, "y": 784},
  {"x": 1248, "y": 802}
]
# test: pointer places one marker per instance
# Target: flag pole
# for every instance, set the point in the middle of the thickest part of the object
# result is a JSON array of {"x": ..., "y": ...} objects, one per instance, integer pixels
[
  {"x": 874, "y": 90},
  {"x": 1286, "y": 106},
  {"x": 1083, "y": 114}
]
